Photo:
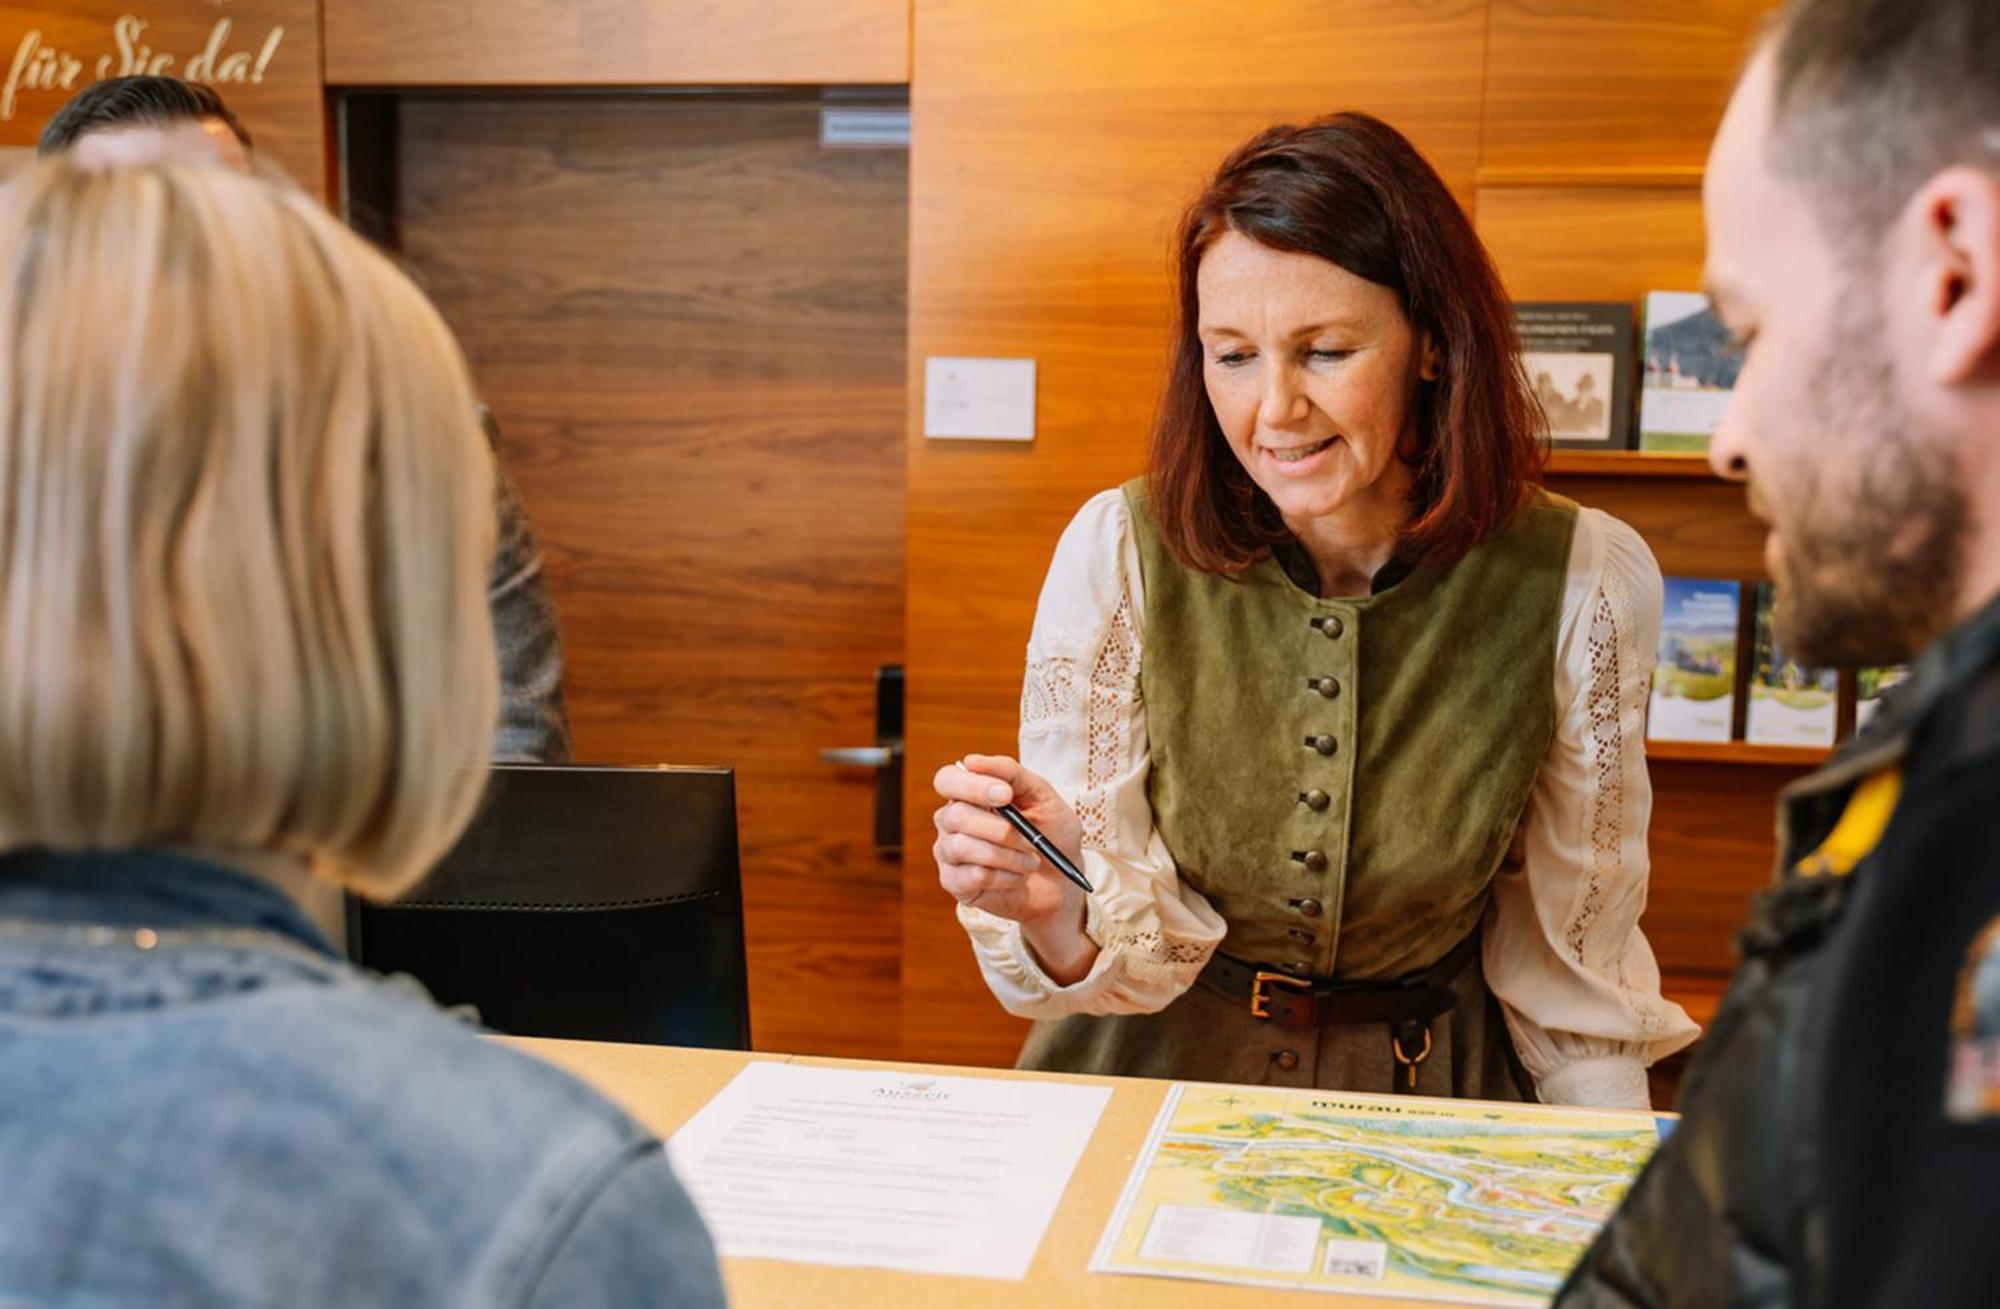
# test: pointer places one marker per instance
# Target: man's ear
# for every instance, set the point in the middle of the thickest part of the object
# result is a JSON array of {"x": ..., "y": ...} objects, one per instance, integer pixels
[{"x": 1956, "y": 249}]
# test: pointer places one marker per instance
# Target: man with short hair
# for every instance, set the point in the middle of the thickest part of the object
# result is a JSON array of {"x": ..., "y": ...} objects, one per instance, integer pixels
[
  {"x": 134, "y": 120},
  {"x": 1840, "y": 1138},
  {"x": 148, "y": 120}
]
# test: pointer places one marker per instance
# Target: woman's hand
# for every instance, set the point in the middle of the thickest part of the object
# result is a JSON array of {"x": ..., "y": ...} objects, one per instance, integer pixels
[{"x": 984, "y": 862}]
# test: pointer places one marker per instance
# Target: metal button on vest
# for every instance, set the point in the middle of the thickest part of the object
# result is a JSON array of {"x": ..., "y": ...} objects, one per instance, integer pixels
[
  {"x": 1323, "y": 743},
  {"x": 1298, "y": 968},
  {"x": 1330, "y": 627},
  {"x": 1285, "y": 1059},
  {"x": 1315, "y": 799},
  {"x": 1310, "y": 908},
  {"x": 1326, "y": 686},
  {"x": 1312, "y": 859},
  {"x": 1301, "y": 935}
]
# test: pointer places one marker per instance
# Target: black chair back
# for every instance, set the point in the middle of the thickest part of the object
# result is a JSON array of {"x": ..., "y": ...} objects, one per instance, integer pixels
[{"x": 585, "y": 902}]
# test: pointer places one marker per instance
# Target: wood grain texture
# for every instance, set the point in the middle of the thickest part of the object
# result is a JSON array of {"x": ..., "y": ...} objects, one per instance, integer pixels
[
  {"x": 1738, "y": 752},
  {"x": 1057, "y": 144},
  {"x": 689, "y": 322},
  {"x": 1714, "y": 844},
  {"x": 663, "y": 1088},
  {"x": 1611, "y": 82},
  {"x": 1629, "y": 463},
  {"x": 1695, "y": 528},
  {"x": 1592, "y": 243},
  {"x": 262, "y": 55},
  {"x": 383, "y": 43}
]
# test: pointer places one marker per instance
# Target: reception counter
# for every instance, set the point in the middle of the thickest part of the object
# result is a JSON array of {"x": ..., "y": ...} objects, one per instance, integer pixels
[{"x": 664, "y": 1087}]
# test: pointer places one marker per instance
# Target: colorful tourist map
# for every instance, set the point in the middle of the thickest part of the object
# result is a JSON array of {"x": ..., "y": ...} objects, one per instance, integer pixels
[{"x": 1452, "y": 1202}]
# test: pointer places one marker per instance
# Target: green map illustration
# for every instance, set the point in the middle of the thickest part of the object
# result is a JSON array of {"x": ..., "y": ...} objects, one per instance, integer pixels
[{"x": 1457, "y": 1202}]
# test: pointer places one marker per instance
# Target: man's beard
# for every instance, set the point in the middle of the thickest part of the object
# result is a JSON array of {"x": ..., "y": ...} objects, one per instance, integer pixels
[{"x": 1875, "y": 533}]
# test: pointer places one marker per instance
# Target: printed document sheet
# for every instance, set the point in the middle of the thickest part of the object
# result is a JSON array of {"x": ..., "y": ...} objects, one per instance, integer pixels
[
  {"x": 885, "y": 1169},
  {"x": 1458, "y": 1203}
]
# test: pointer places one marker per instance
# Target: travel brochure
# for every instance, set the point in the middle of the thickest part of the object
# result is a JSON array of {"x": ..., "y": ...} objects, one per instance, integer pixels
[
  {"x": 1694, "y": 682},
  {"x": 1690, "y": 368},
  {"x": 1723, "y": 673},
  {"x": 1584, "y": 365},
  {"x": 1789, "y": 705},
  {"x": 1578, "y": 357}
]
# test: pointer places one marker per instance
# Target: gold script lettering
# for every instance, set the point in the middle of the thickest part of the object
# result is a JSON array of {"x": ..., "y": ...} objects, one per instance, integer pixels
[
  {"x": 201, "y": 68},
  {"x": 22, "y": 54},
  {"x": 212, "y": 65},
  {"x": 37, "y": 67},
  {"x": 270, "y": 49},
  {"x": 134, "y": 56}
]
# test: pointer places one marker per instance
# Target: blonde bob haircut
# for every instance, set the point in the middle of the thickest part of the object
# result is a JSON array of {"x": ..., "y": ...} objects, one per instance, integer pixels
[{"x": 245, "y": 511}]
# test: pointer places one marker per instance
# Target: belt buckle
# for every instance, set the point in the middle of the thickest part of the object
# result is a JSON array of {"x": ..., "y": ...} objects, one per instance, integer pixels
[{"x": 1260, "y": 1000}]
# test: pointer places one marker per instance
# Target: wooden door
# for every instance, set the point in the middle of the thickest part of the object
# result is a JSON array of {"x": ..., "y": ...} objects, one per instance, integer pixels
[{"x": 687, "y": 317}]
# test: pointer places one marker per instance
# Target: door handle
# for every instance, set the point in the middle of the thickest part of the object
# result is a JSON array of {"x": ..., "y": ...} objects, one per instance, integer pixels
[
  {"x": 885, "y": 757},
  {"x": 861, "y": 756}
]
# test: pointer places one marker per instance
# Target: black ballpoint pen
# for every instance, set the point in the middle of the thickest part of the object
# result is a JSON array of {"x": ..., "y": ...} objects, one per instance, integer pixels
[{"x": 1044, "y": 847}]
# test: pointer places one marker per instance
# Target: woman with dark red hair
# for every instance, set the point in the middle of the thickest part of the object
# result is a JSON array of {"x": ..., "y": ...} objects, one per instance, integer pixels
[{"x": 1342, "y": 715}]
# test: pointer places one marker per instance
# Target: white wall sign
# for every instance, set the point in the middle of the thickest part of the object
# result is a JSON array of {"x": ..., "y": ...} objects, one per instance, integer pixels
[{"x": 979, "y": 399}]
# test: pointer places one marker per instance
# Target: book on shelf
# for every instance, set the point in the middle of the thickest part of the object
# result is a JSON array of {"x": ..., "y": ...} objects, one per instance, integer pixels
[
  {"x": 1690, "y": 367},
  {"x": 1694, "y": 682},
  {"x": 1869, "y": 684},
  {"x": 1578, "y": 357},
  {"x": 1789, "y": 704}
]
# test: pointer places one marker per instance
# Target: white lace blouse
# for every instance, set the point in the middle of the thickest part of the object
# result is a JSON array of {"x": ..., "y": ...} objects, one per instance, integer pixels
[{"x": 1562, "y": 948}]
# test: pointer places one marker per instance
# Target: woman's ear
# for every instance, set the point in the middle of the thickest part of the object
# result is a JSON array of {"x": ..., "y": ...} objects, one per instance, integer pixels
[{"x": 1430, "y": 361}]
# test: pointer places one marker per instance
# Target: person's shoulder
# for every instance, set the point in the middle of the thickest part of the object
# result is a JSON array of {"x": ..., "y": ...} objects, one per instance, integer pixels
[
  {"x": 1090, "y": 577},
  {"x": 475, "y": 1083},
  {"x": 356, "y": 1106},
  {"x": 1607, "y": 548},
  {"x": 1966, "y": 724},
  {"x": 637, "y": 1239},
  {"x": 1112, "y": 506},
  {"x": 1094, "y": 540}
]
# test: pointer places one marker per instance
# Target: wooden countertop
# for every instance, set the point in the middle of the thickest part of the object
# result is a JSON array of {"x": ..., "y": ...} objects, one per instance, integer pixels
[{"x": 664, "y": 1087}]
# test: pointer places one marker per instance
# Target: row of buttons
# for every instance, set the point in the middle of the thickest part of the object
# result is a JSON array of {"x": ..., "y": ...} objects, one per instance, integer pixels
[{"x": 1314, "y": 861}]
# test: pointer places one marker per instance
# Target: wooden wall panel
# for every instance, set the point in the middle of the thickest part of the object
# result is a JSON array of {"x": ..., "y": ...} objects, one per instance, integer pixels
[
  {"x": 262, "y": 55},
  {"x": 385, "y": 43},
  {"x": 1696, "y": 527},
  {"x": 1056, "y": 144},
  {"x": 688, "y": 319},
  {"x": 1713, "y": 840},
  {"x": 1610, "y": 83},
  {"x": 1591, "y": 242}
]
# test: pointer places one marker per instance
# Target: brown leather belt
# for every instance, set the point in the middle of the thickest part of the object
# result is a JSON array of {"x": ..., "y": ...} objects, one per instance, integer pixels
[{"x": 1288, "y": 1001}]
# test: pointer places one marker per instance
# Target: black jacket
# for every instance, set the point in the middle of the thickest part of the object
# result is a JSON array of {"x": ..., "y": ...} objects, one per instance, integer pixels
[{"x": 1816, "y": 1162}]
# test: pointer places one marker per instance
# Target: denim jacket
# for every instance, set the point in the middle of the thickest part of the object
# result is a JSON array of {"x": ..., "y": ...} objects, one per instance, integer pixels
[{"x": 201, "y": 1105}]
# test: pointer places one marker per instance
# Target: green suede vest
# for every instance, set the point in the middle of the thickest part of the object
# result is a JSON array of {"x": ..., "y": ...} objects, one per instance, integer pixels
[{"x": 1341, "y": 778}]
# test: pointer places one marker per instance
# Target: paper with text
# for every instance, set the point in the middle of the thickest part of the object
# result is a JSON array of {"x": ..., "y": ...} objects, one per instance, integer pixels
[{"x": 885, "y": 1169}]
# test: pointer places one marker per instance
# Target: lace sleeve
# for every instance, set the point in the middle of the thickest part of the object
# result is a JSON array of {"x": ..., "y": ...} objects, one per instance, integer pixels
[
  {"x": 1083, "y": 727},
  {"x": 1053, "y": 697},
  {"x": 1564, "y": 953}
]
